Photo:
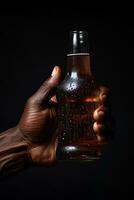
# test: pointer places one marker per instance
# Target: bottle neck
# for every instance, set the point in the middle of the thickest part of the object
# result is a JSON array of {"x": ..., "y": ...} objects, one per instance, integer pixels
[
  {"x": 78, "y": 64},
  {"x": 78, "y": 59}
]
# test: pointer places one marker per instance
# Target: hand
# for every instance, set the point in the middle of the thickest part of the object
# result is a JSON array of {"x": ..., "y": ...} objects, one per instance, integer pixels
[
  {"x": 38, "y": 125},
  {"x": 104, "y": 122}
]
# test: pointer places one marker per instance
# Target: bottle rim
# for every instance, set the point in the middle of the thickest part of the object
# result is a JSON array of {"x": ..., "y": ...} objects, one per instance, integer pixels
[{"x": 79, "y": 31}]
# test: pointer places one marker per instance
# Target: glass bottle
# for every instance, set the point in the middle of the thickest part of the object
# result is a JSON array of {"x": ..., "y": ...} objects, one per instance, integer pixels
[{"x": 77, "y": 97}]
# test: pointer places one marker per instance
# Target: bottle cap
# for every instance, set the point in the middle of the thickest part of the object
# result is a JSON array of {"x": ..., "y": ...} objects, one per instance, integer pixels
[{"x": 78, "y": 42}]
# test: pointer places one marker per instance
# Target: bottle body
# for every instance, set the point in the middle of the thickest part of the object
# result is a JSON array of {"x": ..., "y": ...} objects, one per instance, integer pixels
[{"x": 78, "y": 97}]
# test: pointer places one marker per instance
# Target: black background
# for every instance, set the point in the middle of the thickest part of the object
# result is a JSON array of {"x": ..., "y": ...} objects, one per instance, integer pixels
[{"x": 32, "y": 40}]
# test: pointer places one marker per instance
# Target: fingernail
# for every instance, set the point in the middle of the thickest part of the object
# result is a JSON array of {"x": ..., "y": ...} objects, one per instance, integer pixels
[
  {"x": 55, "y": 69},
  {"x": 104, "y": 95},
  {"x": 101, "y": 112}
]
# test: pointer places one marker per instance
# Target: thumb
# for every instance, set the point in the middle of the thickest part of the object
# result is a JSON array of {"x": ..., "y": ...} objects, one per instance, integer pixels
[{"x": 47, "y": 89}]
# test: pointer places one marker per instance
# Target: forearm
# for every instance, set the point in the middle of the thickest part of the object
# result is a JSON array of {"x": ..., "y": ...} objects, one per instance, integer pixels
[{"x": 13, "y": 152}]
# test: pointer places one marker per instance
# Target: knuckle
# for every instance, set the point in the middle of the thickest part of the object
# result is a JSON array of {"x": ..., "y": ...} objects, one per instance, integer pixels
[
  {"x": 30, "y": 100},
  {"x": 46, "y": 84},
  {"x": 104, "y": 89}
]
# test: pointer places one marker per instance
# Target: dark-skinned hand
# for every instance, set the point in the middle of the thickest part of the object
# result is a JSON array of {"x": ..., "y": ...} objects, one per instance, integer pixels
[{"x": 38, "y": 122}]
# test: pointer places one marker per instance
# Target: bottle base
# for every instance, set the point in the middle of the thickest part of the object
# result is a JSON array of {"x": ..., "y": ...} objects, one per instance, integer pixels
[{"x": 78, "y": 153}]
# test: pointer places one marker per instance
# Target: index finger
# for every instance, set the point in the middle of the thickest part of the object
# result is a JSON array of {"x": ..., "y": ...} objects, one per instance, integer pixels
[{"x": 104, "y": 95}]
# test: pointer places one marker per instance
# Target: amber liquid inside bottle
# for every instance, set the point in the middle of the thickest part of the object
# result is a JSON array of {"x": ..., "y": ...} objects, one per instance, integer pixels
[{"x": 77, "y": 99}]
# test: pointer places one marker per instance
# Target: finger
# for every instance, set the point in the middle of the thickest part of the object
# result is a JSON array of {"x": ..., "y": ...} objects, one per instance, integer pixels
[
  {"x": 104, "y": 94},
  {"x": 103, "y": 131},
  {"x": 101, "y": 113},
  {"x": 48, "y": 88},
  {"x": 98, "y": 128},
  {"x": 54, "y": 99}
]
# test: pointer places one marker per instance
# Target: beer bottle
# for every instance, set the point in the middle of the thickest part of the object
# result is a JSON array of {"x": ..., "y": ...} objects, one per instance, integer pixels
[{"x": 77, "y": 97}]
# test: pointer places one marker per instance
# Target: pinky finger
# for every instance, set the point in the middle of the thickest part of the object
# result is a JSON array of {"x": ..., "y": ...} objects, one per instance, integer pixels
[{"x": 104, "y": 132}]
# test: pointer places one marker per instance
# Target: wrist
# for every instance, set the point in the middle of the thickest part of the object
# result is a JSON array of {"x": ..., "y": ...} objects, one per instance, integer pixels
[
  {"x": 43, "y": 154},
  {"x": 14, "y": 153},
  {"x": 40, "y": 153},
  {"x": 18, "y": 136}
]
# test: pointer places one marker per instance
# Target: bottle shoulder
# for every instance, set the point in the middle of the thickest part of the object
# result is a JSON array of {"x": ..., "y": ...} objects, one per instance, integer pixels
[{"x": 79, "y": 86}]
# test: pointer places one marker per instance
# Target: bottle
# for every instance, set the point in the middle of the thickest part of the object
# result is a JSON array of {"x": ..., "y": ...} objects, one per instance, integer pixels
[{"x": 77, "y": 97}]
